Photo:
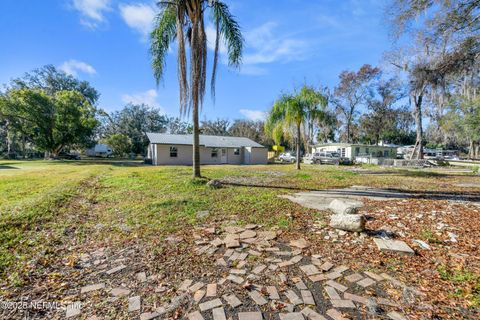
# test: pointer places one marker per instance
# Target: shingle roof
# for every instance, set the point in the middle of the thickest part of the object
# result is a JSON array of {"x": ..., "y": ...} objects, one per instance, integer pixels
[{"x": 207, "y": 141}]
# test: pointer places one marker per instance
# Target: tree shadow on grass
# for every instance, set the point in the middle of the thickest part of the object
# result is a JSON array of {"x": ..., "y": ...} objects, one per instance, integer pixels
[
  {"x": 6, "y": 167},
  {"x": 116, "y": 163}
]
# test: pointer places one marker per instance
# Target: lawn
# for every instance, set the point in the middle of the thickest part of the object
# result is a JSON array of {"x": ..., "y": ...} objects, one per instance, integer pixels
[
  {"x": 51, "y": 212},
  {"x": 40, "y": 200}
]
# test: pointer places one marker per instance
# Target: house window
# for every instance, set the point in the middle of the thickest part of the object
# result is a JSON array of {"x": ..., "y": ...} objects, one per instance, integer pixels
[
  {"x": 342, "y": 152},
  {"x": 357, "y": 151},
  {"x": 367, "y": 151},
  {"x": 386, "y": 153},
  {"x": 214, "y": 152},
  {"x": 236, "y": 151},
  {"x": 173, "y": 152}
]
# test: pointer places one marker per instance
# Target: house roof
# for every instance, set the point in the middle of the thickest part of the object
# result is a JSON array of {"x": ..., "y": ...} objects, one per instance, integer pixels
[{"x": 205, "y": 140}]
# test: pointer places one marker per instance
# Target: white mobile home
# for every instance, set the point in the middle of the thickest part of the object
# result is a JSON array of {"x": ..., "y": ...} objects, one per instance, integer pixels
[
  {"x": 100, "y": 150},
  {"x": 176, "y": 149},
  {"x": 352, "y": 151}
]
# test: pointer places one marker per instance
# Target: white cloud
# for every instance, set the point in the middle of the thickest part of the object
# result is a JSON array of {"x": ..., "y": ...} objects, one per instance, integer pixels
[
  {"x": 139, "y": 17},
  {"x": 254, "y": 115},
  {"x": 92, "y": 11},
  {"x": 72, "y": 67},
  {"x": 211, "y": 38},
  {"x": 263, "y": 45},
  {"x": 268, "y": 47},
  {"x": 148, "y": 97}
]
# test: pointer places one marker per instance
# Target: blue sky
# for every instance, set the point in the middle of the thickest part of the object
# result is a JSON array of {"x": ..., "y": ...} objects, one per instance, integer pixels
[{"x": 288, "y": 42}]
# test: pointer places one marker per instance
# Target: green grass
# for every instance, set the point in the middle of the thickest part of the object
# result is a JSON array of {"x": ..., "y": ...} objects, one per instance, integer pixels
[
  {"x": 303, "y": 176},
  {"x": 370, "y": 166},
  {"x": 32, "y": 196},
  {"x": 466, "y": 283},
  {"x": 46, "y": 206},
  {"x": 430, "y": 237},
  {"x": 475, "y": 169}
]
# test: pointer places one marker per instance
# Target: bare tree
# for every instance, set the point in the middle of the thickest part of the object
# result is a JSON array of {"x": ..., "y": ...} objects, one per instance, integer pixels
[
  {"x": 352, "y": 92},
  {"x": 217, "y": 127},
  {"x": 445, "y": 52},
  {"x": 381, "y": 119},
  {"x": 250, "y": 129}
]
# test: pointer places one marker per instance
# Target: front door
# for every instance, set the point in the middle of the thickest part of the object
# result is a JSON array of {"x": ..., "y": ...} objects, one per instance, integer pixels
[
  {"x": 246, "y": 155},
  {"x": 224, "y": 156}
]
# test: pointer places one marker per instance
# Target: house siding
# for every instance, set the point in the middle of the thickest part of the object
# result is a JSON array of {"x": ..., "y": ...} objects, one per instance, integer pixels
[
  {"x": 259, "y": 156},
  {"x": 232, "y": 158},
  {"x": 161, "y": 155}
]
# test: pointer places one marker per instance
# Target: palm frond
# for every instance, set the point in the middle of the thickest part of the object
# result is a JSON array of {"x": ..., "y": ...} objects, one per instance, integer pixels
[
  {"x": 315, "y": 102},
  {"x": 314, "y": 98},
  {"x": 278, "y": 133},
  {"x": 215, "y": 58},
  {"x": 288, "y": 114},
  {"x": 228, "y": 29},
  {"x": 161, "y": 37},
  {"x": 294, "y": 109}
]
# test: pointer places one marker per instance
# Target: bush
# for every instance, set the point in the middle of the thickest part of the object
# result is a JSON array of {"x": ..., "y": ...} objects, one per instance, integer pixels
[{"x": 120, "y": 143}]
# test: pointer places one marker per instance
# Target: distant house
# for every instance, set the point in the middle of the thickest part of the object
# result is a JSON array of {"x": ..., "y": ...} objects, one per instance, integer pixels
[
  {"x": 352, "y": 151},
  {"x": 176, "y": 149}
]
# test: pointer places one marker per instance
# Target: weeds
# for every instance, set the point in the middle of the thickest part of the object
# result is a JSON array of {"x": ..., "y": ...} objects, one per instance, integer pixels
[
  {"x": 430, "y": 237},
  {"x": 467, "y": 283}
]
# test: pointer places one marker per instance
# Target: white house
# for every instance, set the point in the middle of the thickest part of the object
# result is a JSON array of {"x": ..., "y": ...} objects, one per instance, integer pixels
[
  {"x": 176, "y": 149},
  {"x": 352, "y": 151}
]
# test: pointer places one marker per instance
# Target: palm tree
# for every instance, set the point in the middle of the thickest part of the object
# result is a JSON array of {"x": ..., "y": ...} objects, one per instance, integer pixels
[
  {"x": 290, "y": 112},
  {"x": 316, "y": 101},
  {"x": 183, "y": 21}
]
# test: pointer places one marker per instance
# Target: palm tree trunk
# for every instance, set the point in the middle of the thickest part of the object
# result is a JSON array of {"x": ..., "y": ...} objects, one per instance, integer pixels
[
  {"x": 195, "y": 74},
  {"x": 196, "y": 139},
  {"x": 299, "y": 137}
]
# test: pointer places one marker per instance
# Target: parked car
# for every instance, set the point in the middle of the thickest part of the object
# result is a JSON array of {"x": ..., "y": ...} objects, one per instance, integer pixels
[
  {"x": 344, "y": 160},
  {"x": 308, "y": 158},
  {"x": 451, "y": 157},
  {"x": 287, "y": 157},
  {"x": 326, "y": 157}
]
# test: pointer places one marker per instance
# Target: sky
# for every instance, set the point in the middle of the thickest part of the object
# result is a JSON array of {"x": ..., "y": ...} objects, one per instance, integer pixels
[{"x": 287, "y": 43}]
